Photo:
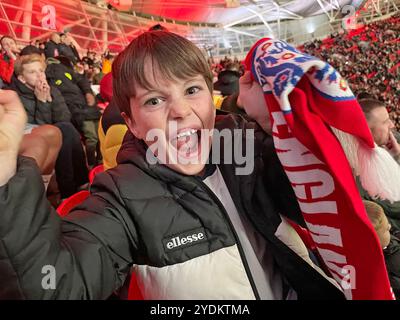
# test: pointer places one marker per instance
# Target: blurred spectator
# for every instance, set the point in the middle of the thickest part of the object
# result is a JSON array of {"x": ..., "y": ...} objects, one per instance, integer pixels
[
  {"x": 81, "y": 102},
  {"x": 157, "y": 27},
  {"x": 66, "y": 49},
  {"x": 107, "y": 63},
  {"x": 228, "y": 82},
  {"x": 381, "y": 126},
  {"x": 9, "y": 53},
  {"x": 112, "y": 126},
  {"x": 51, "y": 48},
  {"x": 89, "y": 59},
  {"x": 97, "y": 74},
  {"x": 44, "y": 104}
]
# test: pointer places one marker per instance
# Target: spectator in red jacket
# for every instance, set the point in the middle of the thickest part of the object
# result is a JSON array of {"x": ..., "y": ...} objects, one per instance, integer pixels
[{"x": 9, "y": 52}]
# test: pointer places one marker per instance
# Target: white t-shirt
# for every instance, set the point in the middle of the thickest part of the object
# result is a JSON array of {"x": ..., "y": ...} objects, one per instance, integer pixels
[{"x": 266, "y": 276}]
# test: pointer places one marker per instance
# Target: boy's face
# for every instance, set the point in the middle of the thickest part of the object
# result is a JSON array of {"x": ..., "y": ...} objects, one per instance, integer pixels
[
  {"x": 383, "y": 232},
  {"x": 32, "y": 73},
  {"x": 179, "y": 109}
]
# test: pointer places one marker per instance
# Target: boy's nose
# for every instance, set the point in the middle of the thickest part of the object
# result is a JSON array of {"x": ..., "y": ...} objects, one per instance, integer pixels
[{"x": 180, "y": 109}]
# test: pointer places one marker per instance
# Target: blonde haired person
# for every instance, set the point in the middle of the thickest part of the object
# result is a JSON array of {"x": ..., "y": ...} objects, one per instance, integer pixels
[{"x": 44, "y": 105}]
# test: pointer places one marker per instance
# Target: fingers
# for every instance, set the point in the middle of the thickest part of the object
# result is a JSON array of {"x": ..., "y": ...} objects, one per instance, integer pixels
[
  {"x": 10, "y": 102},
  {"x": 13, "y": 113}
]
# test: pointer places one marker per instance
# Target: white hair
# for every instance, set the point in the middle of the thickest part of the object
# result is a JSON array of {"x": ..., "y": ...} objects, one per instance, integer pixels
[{"x": 379, "y": 173}]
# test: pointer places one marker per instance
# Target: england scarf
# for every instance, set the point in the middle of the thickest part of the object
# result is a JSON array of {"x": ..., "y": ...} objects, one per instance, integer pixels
[{"x": 305, "y": 98}]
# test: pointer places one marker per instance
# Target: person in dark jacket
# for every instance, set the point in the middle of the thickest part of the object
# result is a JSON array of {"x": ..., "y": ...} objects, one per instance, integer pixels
[
  {"x": 66, "y": 49},
  {"x": 45, "y": 105},
  {"x": 384, "y": 136},
  {"x": 187, "y": 229},
  {"x": 51, "y": 49},
  {"x": 390, "y": 243},
  {"x": 80, "y": 100},
  {"x": 8, "y": 55}
]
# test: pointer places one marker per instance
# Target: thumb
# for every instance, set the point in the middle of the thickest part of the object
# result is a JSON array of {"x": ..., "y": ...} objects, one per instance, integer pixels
[{"x": 12, "y": 113}]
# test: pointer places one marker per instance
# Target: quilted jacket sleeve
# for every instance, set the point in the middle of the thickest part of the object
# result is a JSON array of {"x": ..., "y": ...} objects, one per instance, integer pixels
[{"x": 89, "y": 254}]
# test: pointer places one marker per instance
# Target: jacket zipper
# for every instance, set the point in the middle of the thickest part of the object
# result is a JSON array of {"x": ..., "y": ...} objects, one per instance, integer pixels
[{"x": 239, "y": 245}]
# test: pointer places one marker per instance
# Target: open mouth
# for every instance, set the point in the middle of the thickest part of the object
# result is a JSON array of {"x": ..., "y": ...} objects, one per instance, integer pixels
[{"x": 187, "y": 143}]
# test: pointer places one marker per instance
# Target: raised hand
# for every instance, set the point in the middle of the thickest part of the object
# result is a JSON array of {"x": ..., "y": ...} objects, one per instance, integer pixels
[
  {"x": 252, "y": 99},
  {"x": 90, "y": 99},
  {"x": 47, "y": 91},
  {"x": 393, "y": 146},
  {"x": 40, "y": 92},
  {"x": 12, "y": 124}
]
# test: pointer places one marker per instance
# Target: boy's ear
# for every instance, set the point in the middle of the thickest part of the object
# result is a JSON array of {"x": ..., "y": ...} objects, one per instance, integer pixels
[
  {"x": 21, "y": 78},
  {"x": 131, "y": 123}
]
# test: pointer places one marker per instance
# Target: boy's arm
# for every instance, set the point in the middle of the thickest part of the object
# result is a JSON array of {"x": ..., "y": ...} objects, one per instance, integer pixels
[
  {"x": 89, "y": 254},
  {"x": 85, "y": 256}
]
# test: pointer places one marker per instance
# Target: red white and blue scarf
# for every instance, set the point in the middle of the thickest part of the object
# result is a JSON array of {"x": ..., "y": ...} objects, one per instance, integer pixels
[{"x": 305, "y": 97}]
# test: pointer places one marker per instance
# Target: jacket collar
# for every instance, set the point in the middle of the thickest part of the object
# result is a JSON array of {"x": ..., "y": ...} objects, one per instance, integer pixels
[
  {"x": 133, "y": 151},
  {"x": 24, "y": 90}
]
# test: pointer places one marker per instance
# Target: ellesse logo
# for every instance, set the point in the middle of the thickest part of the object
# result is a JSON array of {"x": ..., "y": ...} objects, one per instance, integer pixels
[{"x": 185, "y": 239}]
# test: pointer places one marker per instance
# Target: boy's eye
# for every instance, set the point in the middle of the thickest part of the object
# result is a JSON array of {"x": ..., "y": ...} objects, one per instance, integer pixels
[
  {"x": 153, "y": 102},
  {"x": 193, "y": 90}
]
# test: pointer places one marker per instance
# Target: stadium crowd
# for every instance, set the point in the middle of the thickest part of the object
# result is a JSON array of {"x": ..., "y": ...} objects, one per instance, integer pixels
[
  {"x": 69, "y": 124},
  {"x": 368, "y": 58}
]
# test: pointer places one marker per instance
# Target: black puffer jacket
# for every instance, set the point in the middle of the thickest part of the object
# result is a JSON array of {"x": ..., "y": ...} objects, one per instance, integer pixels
[
  {"x": 73, "y": 87},
  {"x": 42, "y": 112},
  {"x": 50, "y": 49},
  {"x": 128, "y": 222},
  {"x": 392, "y": 259}
]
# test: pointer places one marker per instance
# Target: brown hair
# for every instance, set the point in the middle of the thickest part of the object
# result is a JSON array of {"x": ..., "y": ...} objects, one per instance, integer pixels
[
  {"x": 174, "y": 56},
  {"x": 367, "y": 105},
  {"x": 26, "y": 59}
]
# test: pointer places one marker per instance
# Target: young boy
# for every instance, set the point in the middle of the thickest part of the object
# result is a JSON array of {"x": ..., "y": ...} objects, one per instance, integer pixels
[
  {"x": 187, "y": 229},
  {"x": 45, "y": 105}
]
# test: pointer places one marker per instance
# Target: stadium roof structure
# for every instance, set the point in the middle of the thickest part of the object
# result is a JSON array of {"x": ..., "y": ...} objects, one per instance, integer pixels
[{"x": 219, "y": 26}]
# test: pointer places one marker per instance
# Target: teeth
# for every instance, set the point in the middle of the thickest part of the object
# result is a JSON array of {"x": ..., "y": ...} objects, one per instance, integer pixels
[{"x": 186, "y": 133}]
